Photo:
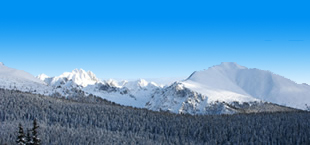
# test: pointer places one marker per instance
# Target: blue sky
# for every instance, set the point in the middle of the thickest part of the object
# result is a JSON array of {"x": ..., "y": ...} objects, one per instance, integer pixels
[{"x": 150, "y": 39}]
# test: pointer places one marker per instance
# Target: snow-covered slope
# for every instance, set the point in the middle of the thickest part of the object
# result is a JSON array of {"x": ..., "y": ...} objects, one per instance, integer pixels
[
  {"x": 229, "y": 83},
  {"x": 263, "y": 85},
  {"x": 20, "y": 80},
  {"x": 132, "y": 93},
  {"x": 178, "y": 98}
]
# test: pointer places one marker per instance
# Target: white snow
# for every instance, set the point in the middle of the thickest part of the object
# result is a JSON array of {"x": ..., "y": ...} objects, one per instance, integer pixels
[
  {"x": 42, "y": 77},
  {"x": 77, "y": 76},
  {"x": 230, "y": 81},
  {"x": 138, "y": 84},
  {"x": 113, "y": 83},
  {"x": 227, "y": 82},
  {"x": 138, "y": 92},
  {"x": 20, "y": 80}
]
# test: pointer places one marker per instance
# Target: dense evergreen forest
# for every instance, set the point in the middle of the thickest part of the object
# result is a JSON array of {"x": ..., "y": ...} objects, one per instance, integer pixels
[{"x": 91, "y": 120}]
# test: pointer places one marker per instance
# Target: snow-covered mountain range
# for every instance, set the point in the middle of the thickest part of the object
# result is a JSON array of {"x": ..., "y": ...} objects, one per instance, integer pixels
[
  {"x": 226, "y": 88},
  {"x": 129, "y": 93}
]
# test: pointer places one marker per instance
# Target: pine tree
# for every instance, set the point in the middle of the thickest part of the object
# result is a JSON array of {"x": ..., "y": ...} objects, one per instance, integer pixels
[
  {"x": 36, "y": 140},
  {"x": 28, "y": 138},
  {"x": 21, "y": 136}
]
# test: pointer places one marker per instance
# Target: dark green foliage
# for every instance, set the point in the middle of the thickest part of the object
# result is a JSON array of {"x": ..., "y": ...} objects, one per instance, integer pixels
[
  {"x": 91, "y": 120},
  {"x": 28, "y": 138},
  {"x": 21, "y": 136},
  {"x": 35, "y": 139}
]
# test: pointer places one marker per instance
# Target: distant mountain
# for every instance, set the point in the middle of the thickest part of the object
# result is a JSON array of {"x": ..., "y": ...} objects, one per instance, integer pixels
[
  {"x": 77, "y": 77},
  {"x": 130, "y": 93},
  {"x": 217, "y": 87},
  {"x": 222, "y": 89},
  {"x": 255, "y": 83}
]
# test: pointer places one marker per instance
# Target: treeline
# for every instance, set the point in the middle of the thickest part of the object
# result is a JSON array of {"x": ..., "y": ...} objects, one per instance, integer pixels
[{"x": 91, "y": 120}]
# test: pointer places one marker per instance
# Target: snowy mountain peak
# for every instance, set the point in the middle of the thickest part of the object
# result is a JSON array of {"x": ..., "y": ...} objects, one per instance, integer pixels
[
  {"x": 77, "y": 76},
  {"x": 78, "y": 71},
  {"x": 142, "y": 82},
  {"x": 136, "y": 85},
  {"x": 80, "y": 74},
  {"x": 230, "y": 65},
  {"x": 223, "y": 69},
  {"x": 92, "y": 76},
  {"x": 112, "y": 83},
  {"x": 42, "y": 77},
  {"x": 1, "y": 63}
]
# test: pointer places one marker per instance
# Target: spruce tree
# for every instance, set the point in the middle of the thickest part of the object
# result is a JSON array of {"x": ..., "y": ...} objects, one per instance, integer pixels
[
  {"x": 35, "y": 139},
  {"x": 28, "y": 138},
  {"x": 21, "y": 136}
]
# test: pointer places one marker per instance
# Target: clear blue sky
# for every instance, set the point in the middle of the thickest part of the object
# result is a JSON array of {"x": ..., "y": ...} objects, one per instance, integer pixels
[{"x": 149, "y": 39}]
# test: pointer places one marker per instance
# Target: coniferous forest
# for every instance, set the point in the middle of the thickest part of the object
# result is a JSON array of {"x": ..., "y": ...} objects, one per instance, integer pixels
[{"x": 91, "y": 120}]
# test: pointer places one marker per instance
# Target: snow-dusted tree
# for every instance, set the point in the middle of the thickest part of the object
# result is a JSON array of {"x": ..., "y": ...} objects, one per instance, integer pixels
[
  {"x": 35, "y": 139},
  {"x": 21, "y": 136}
]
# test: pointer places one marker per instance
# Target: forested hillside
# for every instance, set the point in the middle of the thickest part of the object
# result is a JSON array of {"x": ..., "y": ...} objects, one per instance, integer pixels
[{"x": 91, "y": 120}]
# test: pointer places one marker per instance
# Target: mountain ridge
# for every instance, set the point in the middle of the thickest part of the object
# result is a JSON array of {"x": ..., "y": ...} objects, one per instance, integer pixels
[
  {"x": 260, "y": 84},
  {"x": 218, "y": 86}
]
